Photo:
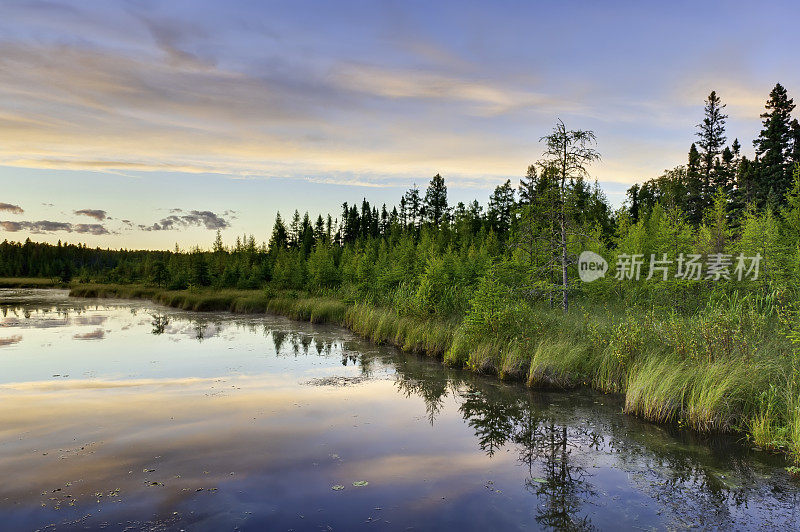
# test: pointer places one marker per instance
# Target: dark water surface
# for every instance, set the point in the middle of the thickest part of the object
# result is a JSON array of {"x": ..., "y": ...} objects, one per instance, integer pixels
[{"x": 123, "y": 414}]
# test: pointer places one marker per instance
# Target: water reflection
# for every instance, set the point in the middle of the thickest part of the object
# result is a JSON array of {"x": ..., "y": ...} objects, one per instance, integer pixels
[
  {"x": 159, "y": 323},
  {"x": 176, "y": 419}
]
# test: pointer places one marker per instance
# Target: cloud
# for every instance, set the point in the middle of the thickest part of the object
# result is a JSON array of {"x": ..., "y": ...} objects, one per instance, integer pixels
[
  {"x": 10, "y": 340},
  {"x": 485, "y": 97},
  {"x": 13, "y": 209},
  {"x": 93, "y": 229},
  {"x": 47, "y": 226},
  {"x": 97, "y": 334},
  {"x": 208, "y": 90},
  {"x": 97, "y": 214},
  {"x": 89, "y": 320},
  {"x": 280, "y": 120},
  {"x": 206, "y": 219}
]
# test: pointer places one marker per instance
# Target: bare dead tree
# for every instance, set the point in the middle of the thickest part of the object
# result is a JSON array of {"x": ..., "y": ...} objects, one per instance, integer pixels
[{"x": 570, "y": 152}]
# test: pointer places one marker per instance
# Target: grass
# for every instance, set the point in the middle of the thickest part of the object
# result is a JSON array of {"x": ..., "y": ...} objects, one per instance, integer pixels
[
  {"x": 724, "y": 369},
  {"x": 383, "y": 326},
  {"x": 28, "y": 282}
]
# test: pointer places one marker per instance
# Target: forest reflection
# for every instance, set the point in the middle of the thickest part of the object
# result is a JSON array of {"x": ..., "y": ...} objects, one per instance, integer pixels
[
  {"x": 566, "y": 444},
  {"x": 499, "y": 416}
]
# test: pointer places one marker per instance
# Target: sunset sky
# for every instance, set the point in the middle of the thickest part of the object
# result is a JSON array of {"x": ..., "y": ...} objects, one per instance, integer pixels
[{"x": 140, "y": 124}]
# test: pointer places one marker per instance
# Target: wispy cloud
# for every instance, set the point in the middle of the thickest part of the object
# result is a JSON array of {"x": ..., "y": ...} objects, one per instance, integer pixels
[
  {"x": 47, "y": 226},
  {"x": 13, "y": 209},
  {"x": 97, "y": 214},
  {"x": 373, "y": 96},
  {"x": 93, "y": 229}
]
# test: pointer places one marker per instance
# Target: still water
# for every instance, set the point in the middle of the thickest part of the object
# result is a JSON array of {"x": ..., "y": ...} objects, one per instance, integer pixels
[{"x": 127, "y": 415}]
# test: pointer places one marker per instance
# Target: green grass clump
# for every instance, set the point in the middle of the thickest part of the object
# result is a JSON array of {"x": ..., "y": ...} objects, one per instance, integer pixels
[
  {"x": 431, "y": 337},
  {"x": 560, "y": 362},
  {"x": 113, "y": 291},
  {"x": 312, "y": 309},
  {"x": 656, "y": 389}
]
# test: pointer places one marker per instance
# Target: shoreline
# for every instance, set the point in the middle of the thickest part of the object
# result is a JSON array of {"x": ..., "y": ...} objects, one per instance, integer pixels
[
  {"x": 432, "y": 338},
  {"x": 440, "y": 339}
]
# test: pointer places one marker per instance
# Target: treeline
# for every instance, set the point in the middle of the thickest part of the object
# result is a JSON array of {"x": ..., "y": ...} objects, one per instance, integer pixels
[
  {"x": 712, "y": 166},
  {"x": 425, "y": 256}
]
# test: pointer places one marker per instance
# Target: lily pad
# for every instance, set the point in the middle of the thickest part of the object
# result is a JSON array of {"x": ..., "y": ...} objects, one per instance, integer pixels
[
  {"x": 360, "y": 483},
  {"x": 337, "y": 487}
]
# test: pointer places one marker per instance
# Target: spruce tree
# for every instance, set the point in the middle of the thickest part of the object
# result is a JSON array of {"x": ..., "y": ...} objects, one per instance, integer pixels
[
  {"x": 278, "y": 240},
  {"x": 436, "y": 201},
  {"x": 501, "y": 206},
  {"x": 294, "y": 230},
  {"x": 712, "y": 139},
  {"x": 633, "y": 196},
  {"x": 774, "y": 147},
  {"x": 527, "y": 186},
  {"x": 795, "y": 127},
  {"x": 413, "y": 205},
  {"x": 695, "y": 202}
]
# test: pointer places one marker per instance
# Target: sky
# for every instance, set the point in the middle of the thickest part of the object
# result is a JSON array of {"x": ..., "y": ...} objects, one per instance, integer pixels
[{"x": 141, "y": 124}]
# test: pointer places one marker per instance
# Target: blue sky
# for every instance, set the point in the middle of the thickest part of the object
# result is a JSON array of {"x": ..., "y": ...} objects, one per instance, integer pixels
[{"x": 184, "y": 116}]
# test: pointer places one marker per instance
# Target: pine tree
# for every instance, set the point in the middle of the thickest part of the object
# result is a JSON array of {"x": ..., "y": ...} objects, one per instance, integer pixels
[
  {"x": 774, "y": 147},
  {"x": 403, "y": 212},
  {"x": 413, "y": 206},
  {"x": 712, "y": 139},
  {"x": 218, "y": 245},
  {"x": 795, "y": 126},
  {"x": 724, "y": 171},
  {"x": 294, "y": 230},
  {"x": 279, "y": 238},
  {"x": 695, "y": 202},
  {"x": 633, "y": 196},
  {"x": 436, "y": 209},
  {"x": 384, "y": 221},
  {"x": 501, "y": 206},
  {"x": 527, "y": 186},
  {"x": 319, "y": 230},
  {"x": 366, "y": 218}
]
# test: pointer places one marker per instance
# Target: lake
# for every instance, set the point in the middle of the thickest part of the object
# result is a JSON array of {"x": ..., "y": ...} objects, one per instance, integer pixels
[{"x": 126, "y": 415}]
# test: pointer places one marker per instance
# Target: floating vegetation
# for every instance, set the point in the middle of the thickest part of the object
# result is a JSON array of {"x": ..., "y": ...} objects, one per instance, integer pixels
[{"x": 336, "y": 381}]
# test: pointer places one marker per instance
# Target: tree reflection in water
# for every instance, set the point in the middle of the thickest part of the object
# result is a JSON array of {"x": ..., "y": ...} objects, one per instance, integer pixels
[
  {"x": 501, "y": 416},
  {"x": 278, "y": 337},
  {"x": 681, "y": 476},
  {"x": 160, "y": 322}
]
